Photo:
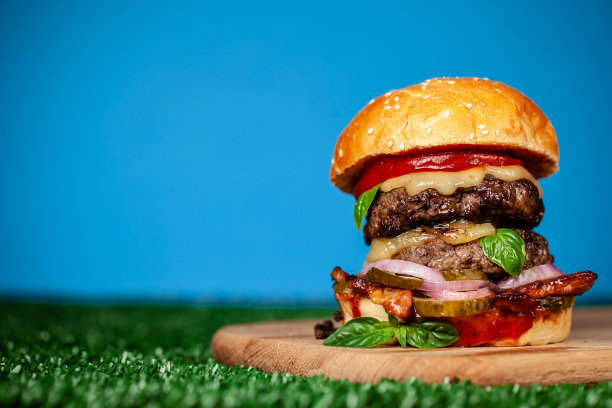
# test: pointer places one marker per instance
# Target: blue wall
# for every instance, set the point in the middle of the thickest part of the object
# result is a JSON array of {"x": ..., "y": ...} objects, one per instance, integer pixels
[{"x": 155, "y": 150}]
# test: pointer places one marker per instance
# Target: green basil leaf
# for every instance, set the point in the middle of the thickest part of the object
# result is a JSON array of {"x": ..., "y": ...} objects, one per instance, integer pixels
[
  {"x": 431, "y": 334},
  {"x": 361, "y": 332},
  {"x": 365, "y": 320},
  {"x": 507, "y": 249},
  {"x": 393, "y": 322},
  {"x": 400, "y": 334},
  {"x": 363, "y": 204}
]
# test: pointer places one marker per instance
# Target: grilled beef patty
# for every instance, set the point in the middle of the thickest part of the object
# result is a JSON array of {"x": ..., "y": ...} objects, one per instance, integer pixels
[
  {"x": 503, "y": 203},
  {"x": 439, "y": 255}
]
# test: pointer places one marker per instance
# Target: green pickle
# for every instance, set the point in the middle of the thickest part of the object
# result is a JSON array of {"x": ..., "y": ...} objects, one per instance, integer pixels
[
  {"x": 391, "y": 279},
  {"x": 451, "y": 308},
  {"x": 340, "y": 287},
  {"x": 464, "y": 274},
  {"x": 557, "y": 302}
]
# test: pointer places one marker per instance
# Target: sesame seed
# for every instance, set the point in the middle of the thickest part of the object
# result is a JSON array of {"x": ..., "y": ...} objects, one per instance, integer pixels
[
  {"x": 388, "y": 93},
  {"x": 497, "y": 132},
  {"x": 410, "y": 105},
  {"x": 396, "y": 106},
  {"x": 423, "y": 87},
  {"x": 428, "y": 130},
  {"x": 371, "y": 101},
  {"x": 471, "y": 136},
  {"x": 483, "y": 104},
  {"x": 388, "y": 107},
  {"x": 340, "y": 153},
  {"x": 390, "y": 143},
  {"x": 485, "y": 132},
  {"x": 451, "y": 82},
  {"x": 426, "y": 96},
  {"x": 403, "y": 125},
  {"x": 370, "y": 131},
  {"x": 396, "y": 98},
  {"x": 481, "y": 126},
  {"x": 386, "y": 101},
  {"x": 468, "y": 105},
  {"x": 402, "y": 145},
  {"x": 475, "y": 78}
]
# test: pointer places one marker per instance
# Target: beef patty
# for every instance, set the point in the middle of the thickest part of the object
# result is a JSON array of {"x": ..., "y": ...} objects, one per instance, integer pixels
[
  {"x": 502, "y": 203},
  {"x": 439, "y": 255}
]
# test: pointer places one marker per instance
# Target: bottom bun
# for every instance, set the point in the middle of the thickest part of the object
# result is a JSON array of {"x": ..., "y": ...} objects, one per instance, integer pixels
[{"x": 533, "y": 328}]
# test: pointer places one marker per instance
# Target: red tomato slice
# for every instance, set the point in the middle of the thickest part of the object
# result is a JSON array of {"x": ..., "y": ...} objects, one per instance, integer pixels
[{"x": 394, "y": 166}]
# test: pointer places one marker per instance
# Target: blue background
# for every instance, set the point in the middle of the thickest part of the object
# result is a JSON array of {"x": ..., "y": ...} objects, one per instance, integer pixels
[{"x": 182, "y": 151}]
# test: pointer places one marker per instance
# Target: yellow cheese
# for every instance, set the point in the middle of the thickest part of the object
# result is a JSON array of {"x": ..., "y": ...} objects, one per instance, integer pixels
[
  {"x": 385, "y": 248},
  {"x": 447, "y": 182},
  {"x": 455, "y": 233}
]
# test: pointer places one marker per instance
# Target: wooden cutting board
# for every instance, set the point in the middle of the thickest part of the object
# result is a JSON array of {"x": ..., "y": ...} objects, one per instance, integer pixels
[{"x": 290, "y": 347}]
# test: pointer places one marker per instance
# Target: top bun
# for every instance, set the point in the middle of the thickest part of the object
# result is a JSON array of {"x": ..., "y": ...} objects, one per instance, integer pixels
[{"x": 448, "y": 113}]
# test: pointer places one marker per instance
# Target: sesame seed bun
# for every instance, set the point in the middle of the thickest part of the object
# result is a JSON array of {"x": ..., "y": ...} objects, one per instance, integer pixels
[{"x": 451, "y": 114}]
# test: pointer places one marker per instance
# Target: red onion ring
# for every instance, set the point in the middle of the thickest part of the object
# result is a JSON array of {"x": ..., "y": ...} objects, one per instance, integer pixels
[
  {"x": 436, "y": 286},
  {"x": 453, "y": 295},
  {"x": 405, "y": 268},
  {"x": 456, "y": 286},
  {"x": 540, "y": 272}
]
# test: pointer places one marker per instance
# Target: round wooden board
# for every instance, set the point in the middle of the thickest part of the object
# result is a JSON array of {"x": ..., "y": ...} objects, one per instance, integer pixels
[{"x": 290, "y": 347}]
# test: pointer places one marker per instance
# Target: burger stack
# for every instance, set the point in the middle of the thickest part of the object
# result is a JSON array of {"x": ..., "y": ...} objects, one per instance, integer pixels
[{"x": 444, "y": 174}]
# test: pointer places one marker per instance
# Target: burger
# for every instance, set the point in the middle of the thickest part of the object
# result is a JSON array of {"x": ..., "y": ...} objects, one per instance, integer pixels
[{"x": 444, "y": 174}]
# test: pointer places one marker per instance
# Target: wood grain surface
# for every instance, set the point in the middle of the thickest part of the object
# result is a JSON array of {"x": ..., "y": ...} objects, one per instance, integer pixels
[{"x": 290, "y": 347}]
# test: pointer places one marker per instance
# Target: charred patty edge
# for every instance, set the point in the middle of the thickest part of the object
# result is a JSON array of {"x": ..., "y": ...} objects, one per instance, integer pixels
[{"x": 502, "y": 203}]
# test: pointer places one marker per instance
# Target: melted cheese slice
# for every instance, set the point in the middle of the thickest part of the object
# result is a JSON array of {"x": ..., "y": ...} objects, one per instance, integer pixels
[
  {"x": 455, "y": 233},
  {"x": 447, "y": 182}
]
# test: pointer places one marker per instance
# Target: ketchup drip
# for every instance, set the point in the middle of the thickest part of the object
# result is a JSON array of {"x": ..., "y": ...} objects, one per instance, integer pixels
[
  {"x": 355, "y": 300},
  {"x": 491, "y": 326}
]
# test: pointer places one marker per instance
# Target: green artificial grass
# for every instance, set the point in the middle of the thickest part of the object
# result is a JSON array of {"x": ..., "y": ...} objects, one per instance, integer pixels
[{"x": 158, "y": 356}]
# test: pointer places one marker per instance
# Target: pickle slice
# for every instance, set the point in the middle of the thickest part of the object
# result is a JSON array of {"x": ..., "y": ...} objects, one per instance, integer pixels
[
  {"x": 339, "y": 287},
  {"x": 464, "y": 274},
  {"x": 557, "y": 302},
  {"x": 391, "y": 279},
  {"x": 450, "y": 308}
]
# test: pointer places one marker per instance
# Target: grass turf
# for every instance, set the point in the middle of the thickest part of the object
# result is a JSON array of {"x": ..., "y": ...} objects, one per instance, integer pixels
[{"x": 158, "y": 356}]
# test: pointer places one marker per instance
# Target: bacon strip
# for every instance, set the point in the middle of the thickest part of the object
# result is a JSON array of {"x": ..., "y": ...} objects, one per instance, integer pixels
[
  {"x": 520, "y": 299},
  {"x": 566, "y": 285},
  {"x": 395, "y": 300},
  {"x": 523, "y": 298},
  {"x": 515, "y": 302}
]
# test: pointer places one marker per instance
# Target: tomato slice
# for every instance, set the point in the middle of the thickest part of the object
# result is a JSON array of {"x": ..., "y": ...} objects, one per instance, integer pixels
[{"x": 388, "y": 167}]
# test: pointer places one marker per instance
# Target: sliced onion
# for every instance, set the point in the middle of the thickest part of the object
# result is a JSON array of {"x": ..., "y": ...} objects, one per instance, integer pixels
[
  {"x": 457, "y": 286},
  {"x": 454, "y": 295},
  {"x": 540, "y": 272},
  {"x": 405, "y": 268}
]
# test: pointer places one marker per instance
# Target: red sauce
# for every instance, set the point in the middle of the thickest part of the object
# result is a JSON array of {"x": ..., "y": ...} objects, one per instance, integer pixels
[
  {"x": 476, "y": 330},
  {"x": 388, "y": 167},
  {"x": 491, "y": 326},
  {"x": 355, "y": 300}
]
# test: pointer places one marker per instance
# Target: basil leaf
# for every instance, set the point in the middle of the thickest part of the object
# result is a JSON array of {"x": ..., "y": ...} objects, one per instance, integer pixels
[
  {"x": 366, "y": 320},
  {"x": 393, "y": 320},
  {"x": 361, "y": 332},
  {"x": 363, "y": 204},
  {"x": 507, "y": 249},
  {"x": 400, "y": 335},
  {"x": 431, "y": 334}
]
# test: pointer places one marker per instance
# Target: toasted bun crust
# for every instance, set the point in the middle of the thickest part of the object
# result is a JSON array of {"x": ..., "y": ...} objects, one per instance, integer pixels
[
  {"x": 451, "y": 113},
  {"x": 554, "y": 328}
]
